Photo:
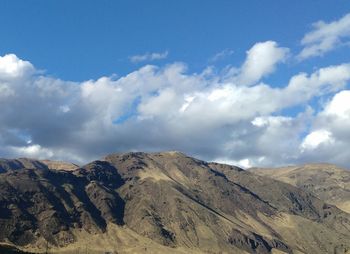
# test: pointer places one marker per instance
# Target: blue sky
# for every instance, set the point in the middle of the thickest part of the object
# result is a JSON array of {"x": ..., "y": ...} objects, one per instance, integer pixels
[
  {"x": 80, "y": 40},
  {"x": 218, "y": 80}
]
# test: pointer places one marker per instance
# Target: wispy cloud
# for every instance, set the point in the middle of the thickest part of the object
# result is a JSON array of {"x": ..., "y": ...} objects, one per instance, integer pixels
[
  {"x": 149, "y": 57},
  {"x": 325, "y": 37},
  {"x": 221, "y": 55}
]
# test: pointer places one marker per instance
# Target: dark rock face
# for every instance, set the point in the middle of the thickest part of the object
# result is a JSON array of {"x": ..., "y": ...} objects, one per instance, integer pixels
[
  {"x": 172, "y": 199},
  {"x": 256, "y": 243},
  {"x": 45, "y": 203},
  {"x": 7, "y": 249}
]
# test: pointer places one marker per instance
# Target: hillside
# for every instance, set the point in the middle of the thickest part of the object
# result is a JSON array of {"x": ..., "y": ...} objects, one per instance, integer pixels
[
  {"x": 328, "y": 182},
  {"x": 162, "y": 202}
]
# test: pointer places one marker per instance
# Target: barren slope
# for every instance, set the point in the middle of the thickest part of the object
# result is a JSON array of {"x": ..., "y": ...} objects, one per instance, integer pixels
[
  {"x": 326, "y": 181},
  {"x": 162, "y": 202}
]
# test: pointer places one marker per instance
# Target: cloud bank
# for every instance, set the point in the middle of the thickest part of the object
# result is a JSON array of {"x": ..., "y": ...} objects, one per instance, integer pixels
[{"x": 232, "y": 117}]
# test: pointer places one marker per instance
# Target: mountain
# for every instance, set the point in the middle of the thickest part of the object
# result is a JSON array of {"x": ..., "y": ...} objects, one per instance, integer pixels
[
  {"x": 328, "y": 182},
  {"x": 6, "y": 164},
  {"x": 161, "y": 202}
]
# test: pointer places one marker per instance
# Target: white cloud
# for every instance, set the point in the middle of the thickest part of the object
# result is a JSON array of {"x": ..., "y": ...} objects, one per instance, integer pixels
[
  {"x": 187, "y": 103},
  {"x": 315, "y": 139},
  {"x": 32, "y": 151},
  {"x": 339, "y": 106},
  {"x": 303, "y": 87},
  {"x": 329, "y": 138},
  {"x": 244, "y": 163},
  {"x": 167, "y": 108},
  {"x": 335, "y": 116},
  {"x": 13, "y": 67},
  {"x": 325, "y": 37},
  {"x": 149, "y": 57},
  {"x": 261, "y": 61}
]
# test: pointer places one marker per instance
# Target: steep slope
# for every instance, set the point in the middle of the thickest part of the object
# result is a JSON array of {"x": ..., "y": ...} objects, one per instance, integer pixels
[
  {"x": 162, "y": 202},
  {"x": 41, "y": 204},
  {"x": 326, "y": 181},
  {"x": 246, "y": 200},
  {"x": 178, "y": 201}
]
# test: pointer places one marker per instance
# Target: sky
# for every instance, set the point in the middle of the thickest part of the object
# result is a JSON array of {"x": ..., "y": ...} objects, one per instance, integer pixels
[{"x": 249, "y": 83}]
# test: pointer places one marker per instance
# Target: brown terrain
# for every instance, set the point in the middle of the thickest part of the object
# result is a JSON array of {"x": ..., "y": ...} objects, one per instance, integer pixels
[
  {"x": 328, "y": 182},
  {"x": 162, "y": 202}
]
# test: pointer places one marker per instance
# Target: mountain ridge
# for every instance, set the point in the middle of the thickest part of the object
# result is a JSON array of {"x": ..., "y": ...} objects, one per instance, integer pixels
[{"x": 156, "y": 202}]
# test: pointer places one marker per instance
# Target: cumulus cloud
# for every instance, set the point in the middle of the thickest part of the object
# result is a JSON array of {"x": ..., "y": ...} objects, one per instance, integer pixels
[
  {"x": 325, "y": 37},
  {"x": 167, "y": 108},
  {"x": 149, "y": 57},
  {"x": 13, "y": 67},
  {"x": 339, "y": 106},
  {"x": 329, "y": 137},
  {"x": 336, "y": 116},
  {"x": 261, "y": 61},
  {"x": 315, "y": 139}
]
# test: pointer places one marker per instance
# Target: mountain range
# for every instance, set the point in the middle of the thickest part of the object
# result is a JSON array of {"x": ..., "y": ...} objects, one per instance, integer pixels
[{"x": 169, "y": 202}]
